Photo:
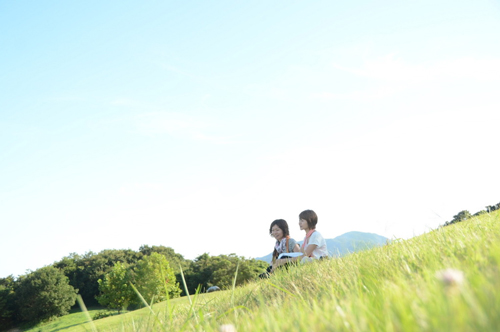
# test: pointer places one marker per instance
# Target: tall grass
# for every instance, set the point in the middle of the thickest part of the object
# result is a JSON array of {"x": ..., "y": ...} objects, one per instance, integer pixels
[{"x": 445, "y": 280}]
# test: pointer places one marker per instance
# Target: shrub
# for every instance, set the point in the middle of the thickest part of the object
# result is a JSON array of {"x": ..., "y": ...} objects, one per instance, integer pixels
[{"x": 44, "y": 294}]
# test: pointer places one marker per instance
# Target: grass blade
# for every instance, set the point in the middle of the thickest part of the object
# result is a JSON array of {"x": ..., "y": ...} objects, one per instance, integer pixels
[
  {"x": 234, "y": 283},
  {"x": 84, "y": 309}
]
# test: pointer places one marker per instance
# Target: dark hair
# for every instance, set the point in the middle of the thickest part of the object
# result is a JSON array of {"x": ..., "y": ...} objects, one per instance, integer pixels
[
  {"x": 281, "y": 223},
  {"x": 311, "y": 218}
]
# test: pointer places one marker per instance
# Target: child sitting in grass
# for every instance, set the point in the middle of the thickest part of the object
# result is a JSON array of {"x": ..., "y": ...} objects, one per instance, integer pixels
[
  {"x": 314, "y": 245},
  {"x": 284, "y": 244}
]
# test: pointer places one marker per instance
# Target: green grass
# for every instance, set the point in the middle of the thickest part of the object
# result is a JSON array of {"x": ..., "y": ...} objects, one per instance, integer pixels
[
  {"x": 396, "y": 287},
  {"x": 75, "y": 318}
]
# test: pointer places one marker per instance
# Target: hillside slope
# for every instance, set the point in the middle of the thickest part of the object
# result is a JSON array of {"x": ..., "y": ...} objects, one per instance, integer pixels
[{"x": 445, "y": 280}]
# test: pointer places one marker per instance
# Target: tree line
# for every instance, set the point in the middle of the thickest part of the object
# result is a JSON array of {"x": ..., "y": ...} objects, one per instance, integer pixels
[
  {"x": 112, "y": 278},
  {"x": 464, "y": 214}
]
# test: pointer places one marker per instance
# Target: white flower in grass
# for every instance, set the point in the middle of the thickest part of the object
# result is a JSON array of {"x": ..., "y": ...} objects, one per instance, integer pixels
[
  {"x": 451, "y": 277},
  {"x": 227, "y": 328}
]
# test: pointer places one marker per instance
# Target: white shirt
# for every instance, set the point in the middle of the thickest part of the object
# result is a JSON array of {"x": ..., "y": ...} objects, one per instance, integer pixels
[{"x": 318, "y": 240}]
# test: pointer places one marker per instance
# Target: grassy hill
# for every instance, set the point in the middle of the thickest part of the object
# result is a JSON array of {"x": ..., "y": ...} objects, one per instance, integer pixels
[{"x": 445, "y": 280}]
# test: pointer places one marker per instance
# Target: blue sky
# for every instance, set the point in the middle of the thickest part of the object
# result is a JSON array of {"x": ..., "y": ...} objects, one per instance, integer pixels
[{"x": 195, "y": 124}]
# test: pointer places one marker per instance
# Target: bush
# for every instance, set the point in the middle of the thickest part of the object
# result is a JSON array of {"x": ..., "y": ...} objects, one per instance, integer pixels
[
  {"x": 44, "y": 294},
  {"x": 7, "y": 308},
  {"x": 104, "y": 314}
]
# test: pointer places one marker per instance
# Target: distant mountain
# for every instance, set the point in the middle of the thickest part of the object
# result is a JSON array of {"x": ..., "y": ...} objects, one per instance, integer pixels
[
  {"x": 353, "y": 241},
  {"x": 346, "y": 243}
]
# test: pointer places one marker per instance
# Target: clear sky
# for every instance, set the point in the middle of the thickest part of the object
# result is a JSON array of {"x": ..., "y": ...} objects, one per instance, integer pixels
[{"x": 195, "y": 124}]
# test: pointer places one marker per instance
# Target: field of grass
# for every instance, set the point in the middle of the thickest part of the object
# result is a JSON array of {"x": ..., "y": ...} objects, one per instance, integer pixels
[
  {"x": 445, "y": 280},
  {"x": 75, "y": 318}
]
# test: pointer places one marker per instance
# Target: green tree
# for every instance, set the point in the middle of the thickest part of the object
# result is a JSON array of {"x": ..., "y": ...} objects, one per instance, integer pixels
[
  {"x": 248, "y": 269},
  {"x": 44, "y": 294},
  {"x": 478, "y": 213},
  {"x": 491, "y": 208},
  {"x": 85, "y": 271},
  {"x": 462, "y": 215},
  {"x": 200, "y": 273},
  {"x": 7, "y": 306},
  {"x": 154, "y": 278},
  {"x": 174, "y": 259},
  {"x": 220, "y": 270},
  {"x": 115, "y": 288}
]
